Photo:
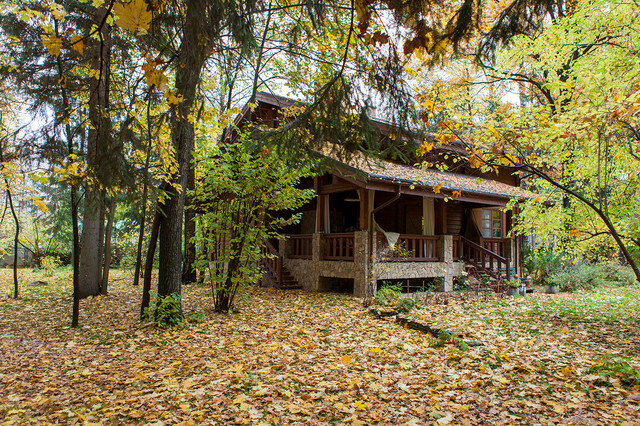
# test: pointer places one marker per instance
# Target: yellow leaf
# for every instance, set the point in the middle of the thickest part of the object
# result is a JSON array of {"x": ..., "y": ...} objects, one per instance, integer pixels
[
  {"x": 475, "y": 160},
  {"x": 58, "y": 11},
  {"x": 52, "y": 43},
  {"x": 173, "y": 98},
  {"x": 456, "y": 194},
  {"x": 40, "y": 205},
  {"x": 77, "y": 44},
  {"x": 154, "y": 76},
  {"x": 239, "y": 399},
  {"x": 425, "y": 147},
  {"x": 345, "y": 359},
  {"x": 437, "y": 188},
  {"x": 133, "y": 16},
  {"x": 376, "y": 350}
]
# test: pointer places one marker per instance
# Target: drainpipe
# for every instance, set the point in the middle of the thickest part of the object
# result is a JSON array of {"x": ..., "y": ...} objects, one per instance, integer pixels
[{"x": 380, "y": 207}]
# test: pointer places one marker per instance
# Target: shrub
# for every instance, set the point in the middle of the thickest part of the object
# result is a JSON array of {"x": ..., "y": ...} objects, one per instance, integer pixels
[
  {"x": 388, "y": 294},
  {"x": 238, "y": 186},
  {"x": 49, "y": 264},
  {"x": 615, "y": 273},
  {"x": 461, "y": 282},
  {"x": 405, "y": 305},
  {"x": 547, "y": 263},
  {"x": 167, "y": 311},
  {"x": 579, "y": 277},
  {"x": 513, "y": 283},
  {"x": 587, "y": 277}
]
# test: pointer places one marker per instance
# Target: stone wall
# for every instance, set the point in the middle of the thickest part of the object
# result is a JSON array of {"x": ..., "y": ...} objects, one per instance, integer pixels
[
  {"x": 400, "y": 270},
  {"x": 309, "y": 272}
]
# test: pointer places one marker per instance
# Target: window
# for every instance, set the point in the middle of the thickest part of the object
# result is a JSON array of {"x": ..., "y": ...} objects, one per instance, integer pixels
[{"x": 491, "y": 223}]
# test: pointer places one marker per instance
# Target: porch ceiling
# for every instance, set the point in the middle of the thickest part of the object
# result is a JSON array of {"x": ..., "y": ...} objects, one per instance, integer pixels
[{"x": 424, "y": 180}]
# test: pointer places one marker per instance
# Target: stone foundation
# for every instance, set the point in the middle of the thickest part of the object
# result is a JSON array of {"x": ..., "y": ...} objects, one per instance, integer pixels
[{"x": 309, "y": 272}]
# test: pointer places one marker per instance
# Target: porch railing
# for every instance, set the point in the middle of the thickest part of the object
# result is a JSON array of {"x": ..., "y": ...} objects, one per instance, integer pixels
[
  {"x": 272, "y": 261},
  {"x": 301, "y": 246},
  {"x": 457, "y": 247},
  {"x": 420, "y": 248},
  {"x": 484, "y": 260},
  {"x": 496, "y": 245},
  {"x": 409, "y": 248},
  {"x": 338, "y": 246}
]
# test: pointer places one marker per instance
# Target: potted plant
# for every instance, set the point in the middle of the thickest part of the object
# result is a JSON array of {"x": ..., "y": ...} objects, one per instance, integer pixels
[
  {"x": 551, "y": 287},
  {"x": 513, "y": 287}
]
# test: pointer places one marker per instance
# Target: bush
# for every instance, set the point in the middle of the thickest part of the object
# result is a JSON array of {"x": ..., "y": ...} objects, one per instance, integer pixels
[
  {"x": 49, "y": 264},
  {"x": 405, "y": 305},
  {"x": 618, "y": 274},
  {"x": 587, "y": 277},
  {"x": 388, "y": 294},
  {"x": 167, "y": 311},
  {"x": 238, "y": 186},
  {"x": 543, "y": 263}
]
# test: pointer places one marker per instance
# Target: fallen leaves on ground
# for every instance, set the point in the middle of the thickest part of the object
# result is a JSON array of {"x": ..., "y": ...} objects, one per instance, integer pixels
[{"x": 303, "y": 357}]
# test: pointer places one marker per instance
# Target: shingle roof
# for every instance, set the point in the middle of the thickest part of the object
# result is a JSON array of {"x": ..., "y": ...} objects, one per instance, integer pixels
[{"x": 391, "y": 172}]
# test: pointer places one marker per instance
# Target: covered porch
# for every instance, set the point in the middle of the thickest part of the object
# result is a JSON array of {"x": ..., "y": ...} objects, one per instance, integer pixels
[
  {"x": 351, "y": 234},
  {"x": 375, "y": 220}
]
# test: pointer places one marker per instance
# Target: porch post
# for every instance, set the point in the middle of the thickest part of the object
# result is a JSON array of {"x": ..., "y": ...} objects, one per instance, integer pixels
[
  {"x": 361, "y": 263},
  {"x": 448, "y": 262},
  {"x": 363, "y": 220}
]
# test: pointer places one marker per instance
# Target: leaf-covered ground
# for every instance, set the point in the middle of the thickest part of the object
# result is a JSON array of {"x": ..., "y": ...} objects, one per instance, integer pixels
[{"x": 317, "y": 358}]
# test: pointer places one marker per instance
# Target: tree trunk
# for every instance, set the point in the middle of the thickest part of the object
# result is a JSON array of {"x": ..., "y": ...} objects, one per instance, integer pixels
[
  {"x": 107, "y": 248},
  {"x": 75, "y": 254},
  {"x": 97, "y": 145},
  {"x": 103, "y": 200},
  {"x": 148, "y": 266},
  {"x": 145, "y": 191},
  {"x": 16, "y": 241},
  {"x": 190, "y": 61},
  {"x": 188, "y": 270},
  {"x": 89, "y": 259}
]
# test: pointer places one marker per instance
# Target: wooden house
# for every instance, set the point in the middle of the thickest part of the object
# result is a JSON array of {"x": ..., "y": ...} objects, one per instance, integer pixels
[{"x": 374, "y": 221}]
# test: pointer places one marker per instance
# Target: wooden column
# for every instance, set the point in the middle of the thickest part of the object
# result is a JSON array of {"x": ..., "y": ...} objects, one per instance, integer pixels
[{"x": 363, "y": 220}]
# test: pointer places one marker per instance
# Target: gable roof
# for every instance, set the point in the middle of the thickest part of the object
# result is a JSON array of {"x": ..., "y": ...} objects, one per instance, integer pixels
[
  {"x": 389, "y": 172},
  {"x": 386, "y": 171}
]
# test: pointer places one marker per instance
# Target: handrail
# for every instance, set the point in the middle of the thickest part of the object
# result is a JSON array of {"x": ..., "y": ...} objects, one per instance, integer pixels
[
  {"x": 482, "y": 249},
  {"x": 495, "y": 244},
  {"x": 479, "y": 256},
  {"x": 273, "y": 262}
]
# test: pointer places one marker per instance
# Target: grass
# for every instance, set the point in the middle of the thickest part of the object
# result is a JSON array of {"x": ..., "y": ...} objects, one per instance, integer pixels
[{"x": 299, "y": 357}]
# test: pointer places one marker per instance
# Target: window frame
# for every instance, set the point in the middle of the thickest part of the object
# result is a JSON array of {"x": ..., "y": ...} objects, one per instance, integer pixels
[{"x": 491, "y": 223}]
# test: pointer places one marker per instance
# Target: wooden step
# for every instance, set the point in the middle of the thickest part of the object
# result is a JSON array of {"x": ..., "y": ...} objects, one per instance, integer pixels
[{"x": 290, "y": 286}]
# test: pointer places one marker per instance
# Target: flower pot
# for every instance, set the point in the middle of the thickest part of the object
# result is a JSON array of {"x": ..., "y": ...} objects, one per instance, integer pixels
[
  {"x": 551, "y": 289},
  {"x": 513, "y": 291}
]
